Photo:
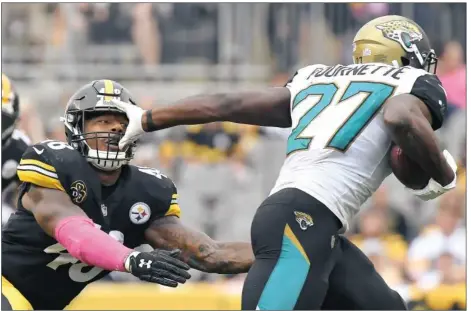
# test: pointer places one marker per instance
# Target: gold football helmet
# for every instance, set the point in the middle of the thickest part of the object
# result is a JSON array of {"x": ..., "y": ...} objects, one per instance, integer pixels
[
  {"x": 394, "y": 40},
  {"x": 10, "y": 108}
]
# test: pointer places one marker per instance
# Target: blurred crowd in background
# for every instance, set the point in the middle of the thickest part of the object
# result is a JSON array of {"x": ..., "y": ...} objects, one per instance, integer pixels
[{"x": 162, "y": 52}]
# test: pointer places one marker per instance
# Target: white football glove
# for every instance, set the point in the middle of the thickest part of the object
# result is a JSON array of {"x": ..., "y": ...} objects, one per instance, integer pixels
[
  {"x": 434, "y": 189},
  {"x": 134, "y": 129}
]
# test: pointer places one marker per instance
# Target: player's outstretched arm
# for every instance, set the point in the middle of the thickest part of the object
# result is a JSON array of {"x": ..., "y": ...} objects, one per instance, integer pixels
[
  {"x": 268, "y": 107},
  {"x": 409, "y": 122},
  {"x": 199, "y": 250},
  {"x": 70, "y": 226}
]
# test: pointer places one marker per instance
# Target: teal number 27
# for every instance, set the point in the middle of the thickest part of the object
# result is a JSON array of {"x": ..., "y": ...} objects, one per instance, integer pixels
[{"x": 352, "y": 126}]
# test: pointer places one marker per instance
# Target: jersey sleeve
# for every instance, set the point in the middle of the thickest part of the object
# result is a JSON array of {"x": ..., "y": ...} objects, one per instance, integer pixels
[
  {"x": 37, "y": 168},
  {"x": 159, "y": 191},
  {"x": 430, "y": 90},
  {"x": 51, "y": 164},
  {"x": 173, "y": 206},
  {"x": 301, "y": 76}
]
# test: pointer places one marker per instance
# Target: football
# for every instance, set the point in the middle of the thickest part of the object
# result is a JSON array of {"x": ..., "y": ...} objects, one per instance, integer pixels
[{"x": 406, "y": 170}]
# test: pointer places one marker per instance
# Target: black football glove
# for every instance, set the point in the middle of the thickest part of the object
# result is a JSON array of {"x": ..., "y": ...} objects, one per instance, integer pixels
[{"x": 159, "y": 266}]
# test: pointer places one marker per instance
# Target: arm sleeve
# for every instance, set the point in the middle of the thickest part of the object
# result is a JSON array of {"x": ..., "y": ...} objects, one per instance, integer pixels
[{"x": 430, "y": 90}]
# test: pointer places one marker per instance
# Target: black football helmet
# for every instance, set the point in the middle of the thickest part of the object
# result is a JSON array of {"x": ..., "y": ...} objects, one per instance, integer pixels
[{"x": 92, "y": 99}]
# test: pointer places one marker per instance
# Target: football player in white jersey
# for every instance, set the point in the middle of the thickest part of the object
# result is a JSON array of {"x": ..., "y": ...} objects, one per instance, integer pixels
[{"x": 344, "y": 120}]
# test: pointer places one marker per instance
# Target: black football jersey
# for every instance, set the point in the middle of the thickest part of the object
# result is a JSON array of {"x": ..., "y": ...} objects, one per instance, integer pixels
[
  {"x": 12, "y": 151},
  {"x": 35, "y": 263}
]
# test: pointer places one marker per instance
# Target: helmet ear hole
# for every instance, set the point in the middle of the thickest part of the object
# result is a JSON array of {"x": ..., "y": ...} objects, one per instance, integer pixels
[{"x": 405, "y": 61}]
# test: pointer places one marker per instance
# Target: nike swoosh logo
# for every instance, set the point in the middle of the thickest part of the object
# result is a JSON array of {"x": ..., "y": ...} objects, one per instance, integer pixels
[{"x": 38, "y": 151}]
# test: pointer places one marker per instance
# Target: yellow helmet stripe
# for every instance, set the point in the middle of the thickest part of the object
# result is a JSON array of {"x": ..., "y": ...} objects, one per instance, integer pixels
[{"x": 109, "y": 89}]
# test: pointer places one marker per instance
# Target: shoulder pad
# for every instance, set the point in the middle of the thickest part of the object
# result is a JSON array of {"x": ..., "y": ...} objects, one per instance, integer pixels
[
  {"x": 161, "y": 188},
  {"x": 303, "y": 74},
  {"x": 429, "y": 89},
  {"x": 47, "y": 164}
]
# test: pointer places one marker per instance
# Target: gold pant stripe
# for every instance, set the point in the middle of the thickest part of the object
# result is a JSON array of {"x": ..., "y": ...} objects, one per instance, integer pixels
[{"x": 15, "y": 298}]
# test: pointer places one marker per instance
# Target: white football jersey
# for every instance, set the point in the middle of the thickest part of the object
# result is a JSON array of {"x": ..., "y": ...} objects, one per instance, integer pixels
[{"x": 338, "y": 150}]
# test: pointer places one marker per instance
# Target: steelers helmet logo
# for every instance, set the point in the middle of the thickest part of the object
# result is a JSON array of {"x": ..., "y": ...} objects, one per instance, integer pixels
[{"x": 139, "y": 213}]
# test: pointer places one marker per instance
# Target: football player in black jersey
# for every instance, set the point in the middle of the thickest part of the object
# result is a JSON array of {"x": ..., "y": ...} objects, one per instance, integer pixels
[
  {"x": 14, "y": 141},
  {"x": 82, "y": 209}
]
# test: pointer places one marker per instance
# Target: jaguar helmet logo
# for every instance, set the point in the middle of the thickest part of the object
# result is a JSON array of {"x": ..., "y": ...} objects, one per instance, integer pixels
[
  {"x": 304, "y": 220},
  {"x": 403, "y": 32}
]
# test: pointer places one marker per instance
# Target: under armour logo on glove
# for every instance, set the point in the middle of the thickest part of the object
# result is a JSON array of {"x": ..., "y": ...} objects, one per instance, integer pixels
[
  {"x": 158, "y": 266},
  {"x": 144, "y": 263}
]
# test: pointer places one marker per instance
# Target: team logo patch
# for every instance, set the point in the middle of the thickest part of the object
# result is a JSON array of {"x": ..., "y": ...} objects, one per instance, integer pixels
[
  {"x": 139, "y": 213},
  {"x": 403, "y": 32},
  {"x": 304, "y": 220},
  {"x": 79, "y": 191}
]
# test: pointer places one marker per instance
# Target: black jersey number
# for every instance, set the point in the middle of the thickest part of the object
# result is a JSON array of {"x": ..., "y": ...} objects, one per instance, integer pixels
[{"x": 76, "y": 273}]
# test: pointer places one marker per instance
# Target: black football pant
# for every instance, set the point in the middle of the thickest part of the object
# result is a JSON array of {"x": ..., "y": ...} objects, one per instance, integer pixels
[{"x": 299, "y": 266}]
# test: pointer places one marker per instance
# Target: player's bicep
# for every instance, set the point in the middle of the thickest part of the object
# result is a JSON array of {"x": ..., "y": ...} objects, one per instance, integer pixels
[
  {"x": 281, "y": 98},
  {"x": 400, "y": 110},
  {"x": 267, "y": 107},
  {"x": 49, "y": 206}
]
